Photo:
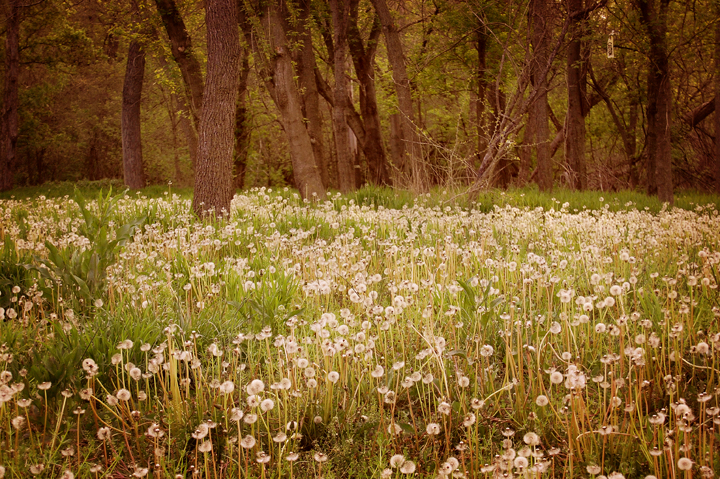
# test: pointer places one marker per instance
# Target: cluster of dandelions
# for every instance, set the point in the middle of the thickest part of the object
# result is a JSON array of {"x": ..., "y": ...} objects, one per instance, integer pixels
[{"x": 438, "y": 327}]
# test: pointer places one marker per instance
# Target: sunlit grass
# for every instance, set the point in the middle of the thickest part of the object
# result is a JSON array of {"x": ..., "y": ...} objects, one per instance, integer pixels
[{"x": 373, "y": 335}]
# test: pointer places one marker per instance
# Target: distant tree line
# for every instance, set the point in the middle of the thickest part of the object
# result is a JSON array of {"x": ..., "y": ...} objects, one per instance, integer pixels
[{"x": 320, "y": 95}]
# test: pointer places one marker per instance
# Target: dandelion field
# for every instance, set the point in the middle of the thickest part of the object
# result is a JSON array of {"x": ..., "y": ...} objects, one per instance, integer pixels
[{"x": 351, "y": 339}]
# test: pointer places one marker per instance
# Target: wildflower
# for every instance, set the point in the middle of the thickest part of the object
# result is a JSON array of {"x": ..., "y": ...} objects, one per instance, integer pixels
[
  {"x": 250, "y": 418},
  {"x": 531, "y": 439},
  {"x": 280, "y": 437},
  {"x": 684, "y": 464},
  {"x": 44, "y": 386},
  {"x": 90, "y": 367},
  {"x": 476, "y": 403},
  {"x": 444, "y": 408},
  {"x": 262, "y": 457},
  {"x": 123, "y": 395},
  {"x": 433, "y": 429},
  {"x": 36, "y": 469},
  {"x": 333, "y": 376},
  {"x": 320, "y": 457},
  {"x": 520, "y": 462},
  {"x": 593, "y": 469},
  {"x": 201, "y": 431},
  {"x": 394, "y": 428},
  {"x": 397, "y": 460},
  {"x": 205, "y": 446},
  {"x": 556, "y": 377},
  {"x": 227, "y": 387},
  {"x": 18, "y": 422},
  {"x": 127, "y": 344},
  {"x": 378, "y": 372},
  {"x": 469, "y": 420},
  {"x": 256, "y": 386},
  {"x": 155, "y": 431},
  {"x": 293, "y": 456},
  {"x": 236, "y": 414},
  {"x": 408, "y": 467},
  {"x": 104, "y": 434},
  {"x": 267, "y": 404},
  {"x": 486, "y": 351},
  {"x": 542, "y": 400},
  {"x": 248, "y": 442},
  {"x": 140, "y": 472},
  {"x": 555, "y": 327},
  {"x": 135, "y": 373}
]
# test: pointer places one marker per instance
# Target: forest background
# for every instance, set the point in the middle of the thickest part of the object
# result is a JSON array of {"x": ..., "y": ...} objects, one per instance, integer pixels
[{"x": 334, "y": 95}]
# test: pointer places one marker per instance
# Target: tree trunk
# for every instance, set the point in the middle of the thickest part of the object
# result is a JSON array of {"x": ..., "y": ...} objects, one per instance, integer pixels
[
  {"x": 539, "y": 116},
  {"x": 306, "y": 67},
  {"x": 717, "y": 100},
  {"x": 363, "y": 57},
  {"x": 410, "y": 165},
  {"x": 658, "y": 143},
  {"x": 346, "y": 173},
  {"x": 497, "y": 103},
  {"x": 285, "y": 94},
  {"x": 9, "y": 127},
  {"x": 575, "y": 120},
  {"x": 130, "y": 121},
  {"x": 482, "y": 89},
  {"x": 242, "y": 127},
  {"x": 184, "y": 55},
  {"x": 213, "y": 172}
]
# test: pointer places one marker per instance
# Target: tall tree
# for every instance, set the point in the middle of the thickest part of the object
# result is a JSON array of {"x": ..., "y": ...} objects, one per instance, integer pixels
[
  {"x": 279, "y": 77},
  {"x": 306, "y": 67},
  {"x": 213, "y": 173},
  {"x": 659, "y": 104},
  {"x": 538, "y": 119},
  {"x": 186, "y": 59},
  {"x": 576, "y": 97},
  {"x": 411, "y": 163},
  {"x": 717, "y": 98},
  {"x": 340, "y": 18},
  {"x": 130, "y": 121},
  {"x": 363, "y": 56},
  {"x": 10, "y": 117}
]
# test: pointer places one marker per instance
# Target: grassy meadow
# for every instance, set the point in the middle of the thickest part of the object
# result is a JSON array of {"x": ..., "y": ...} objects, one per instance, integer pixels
[{"x": 378, "y": 334}]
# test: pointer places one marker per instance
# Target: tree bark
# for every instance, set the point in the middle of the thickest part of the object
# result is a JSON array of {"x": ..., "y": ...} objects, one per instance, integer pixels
[
  {"x": 306, "y": 66},
  {"x": 539, "y": 116},
  {"x": 363, "y": 57},
  {"x": 242, "y": 127},
  {"x": 213, "y": 172},
  {"x": 346, "y": 173},
  {"x": 411, "y": 166},
  {"x": 658, "y": 142},
  {"x": 717, "y": 100},
  {"x": 184, "y": 55},
  {"x": 575, "y": 119},
  {"x": 279, "y": 78},
  {"x": 130, "y": 122},
  {"x": 482, "y": 88},
  {"x": 9, "y": 127}
]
